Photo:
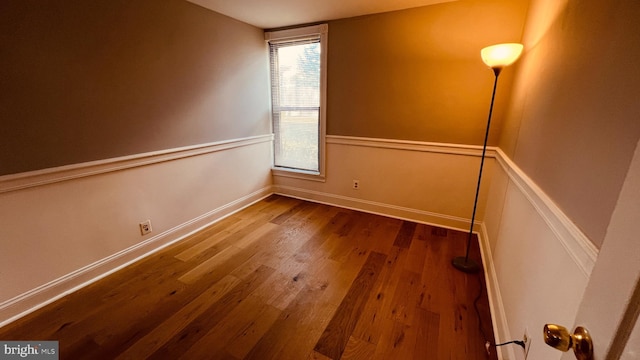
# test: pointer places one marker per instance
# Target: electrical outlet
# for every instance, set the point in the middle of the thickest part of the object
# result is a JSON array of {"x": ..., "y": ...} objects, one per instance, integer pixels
[
  {"x": 527, "y": 342},
  {"x": 145, "y": 227},
  {"x": 356, "y": 184}
]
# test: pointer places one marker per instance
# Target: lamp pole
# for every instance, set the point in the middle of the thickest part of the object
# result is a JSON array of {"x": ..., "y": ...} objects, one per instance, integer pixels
[
  {"x": 496, "y": 57},
  {"x": 463, "y": 263}
]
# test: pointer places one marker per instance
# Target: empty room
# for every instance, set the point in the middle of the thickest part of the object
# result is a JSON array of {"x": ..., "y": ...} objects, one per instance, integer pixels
[{"x": 415, "y": 179}]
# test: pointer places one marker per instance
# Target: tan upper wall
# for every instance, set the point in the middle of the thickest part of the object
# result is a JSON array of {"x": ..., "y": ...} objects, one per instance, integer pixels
[
  {"x": 574, "y": 119},
  {"x": 88, "y": 80},
  {"x": 417, "y": 74}
]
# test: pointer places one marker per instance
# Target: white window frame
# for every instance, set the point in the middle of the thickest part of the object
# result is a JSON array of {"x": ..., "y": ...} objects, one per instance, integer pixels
[{"x": 321, "y": 30}]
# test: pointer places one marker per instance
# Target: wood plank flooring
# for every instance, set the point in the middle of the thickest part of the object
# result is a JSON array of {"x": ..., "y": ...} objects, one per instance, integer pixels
[{"x": 282, "y": 279}]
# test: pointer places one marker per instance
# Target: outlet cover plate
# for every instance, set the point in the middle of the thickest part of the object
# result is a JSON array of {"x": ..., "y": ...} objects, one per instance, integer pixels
[{"x": 145, "y": 227}]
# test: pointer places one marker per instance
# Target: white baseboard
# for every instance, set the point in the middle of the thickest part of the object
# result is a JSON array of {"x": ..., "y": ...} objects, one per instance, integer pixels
[
  {"x": 558, "y": 232},
  {"x": 394, "y": 211},
  {"x": 36, "y": 298},
  {"x": 43, "y": 295},
  {"x": 582, "y": 252},
  {"x": 498, "y": 315}
]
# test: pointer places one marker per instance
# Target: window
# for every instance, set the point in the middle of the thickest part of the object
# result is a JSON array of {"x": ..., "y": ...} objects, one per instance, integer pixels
[{"x": 298, "y": 78}]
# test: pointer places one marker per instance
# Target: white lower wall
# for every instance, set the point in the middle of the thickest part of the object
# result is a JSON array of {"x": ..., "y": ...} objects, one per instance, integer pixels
[
  {"x": 62, "y": 227},
  {"x": 428, "y": 182},
  {"x": 538, "y": 261}
]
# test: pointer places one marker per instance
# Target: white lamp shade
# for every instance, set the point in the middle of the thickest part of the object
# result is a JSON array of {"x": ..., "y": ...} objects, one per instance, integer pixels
[{"x": 501, "y": 55}]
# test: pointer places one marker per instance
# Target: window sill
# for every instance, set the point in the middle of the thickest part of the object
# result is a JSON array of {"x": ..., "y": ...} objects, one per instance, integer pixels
[{"x": 298, "y": 174}]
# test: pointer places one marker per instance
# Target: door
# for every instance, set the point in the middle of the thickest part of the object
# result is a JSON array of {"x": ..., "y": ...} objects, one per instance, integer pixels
[{"x": 611, "y": 302}]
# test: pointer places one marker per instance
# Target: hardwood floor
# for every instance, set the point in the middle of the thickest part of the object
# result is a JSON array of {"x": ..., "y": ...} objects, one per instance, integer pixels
[{"x": 282, "y": 279}]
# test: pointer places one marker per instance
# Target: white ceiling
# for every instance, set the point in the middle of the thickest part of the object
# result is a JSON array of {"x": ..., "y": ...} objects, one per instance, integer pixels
[{"x": 269, "y": 14}]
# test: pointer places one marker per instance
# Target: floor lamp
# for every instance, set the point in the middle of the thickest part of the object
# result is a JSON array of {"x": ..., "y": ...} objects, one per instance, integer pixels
[{"x": 496, "y": 57}]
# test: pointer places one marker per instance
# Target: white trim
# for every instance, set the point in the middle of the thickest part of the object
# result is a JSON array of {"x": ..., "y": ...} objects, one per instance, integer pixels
[
  {"x": 422, "y": 146},
  {"x": 301, "y": 32},
  {"x": 501, "y": 330},
  {"x": 575, "y": 242},
  {"x": 298, "y": 174},
  {"x": 21, "y": 305},
  {"x": 373, "y": 207},
  {"x": 316, "y": 31},
  {"x": 322, "y": 130},
  {"x": 579, "y": 247},
  {"x": 581, "y": 250},
  {"x": 35, "y": 178}
]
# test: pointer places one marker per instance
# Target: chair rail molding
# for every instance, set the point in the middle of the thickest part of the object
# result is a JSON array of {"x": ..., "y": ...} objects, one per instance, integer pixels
[{"x": 13, "y": 182}]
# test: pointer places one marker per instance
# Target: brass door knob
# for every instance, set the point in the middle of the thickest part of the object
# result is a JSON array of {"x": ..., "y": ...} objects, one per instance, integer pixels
[{"x": 558, "y": 337}]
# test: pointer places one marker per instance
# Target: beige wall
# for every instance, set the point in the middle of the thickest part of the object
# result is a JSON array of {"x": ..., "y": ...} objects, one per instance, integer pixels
[
  {"x": 88, "y": 80},
  {"x": 417, "y": 74},
  {"x": 575, "y": 114}
]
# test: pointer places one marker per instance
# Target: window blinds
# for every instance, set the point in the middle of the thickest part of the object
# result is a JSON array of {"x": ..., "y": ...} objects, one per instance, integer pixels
[{"x": 295, "y": 92}]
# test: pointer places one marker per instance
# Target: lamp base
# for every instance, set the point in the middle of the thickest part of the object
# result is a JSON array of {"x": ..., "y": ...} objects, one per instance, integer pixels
[{"x": 465, "y": 265}]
